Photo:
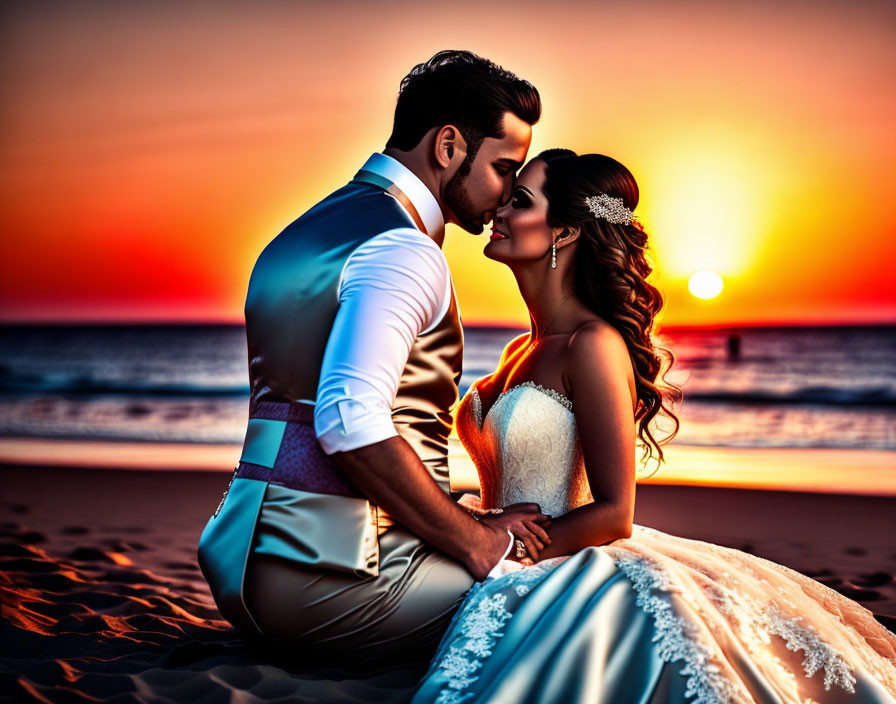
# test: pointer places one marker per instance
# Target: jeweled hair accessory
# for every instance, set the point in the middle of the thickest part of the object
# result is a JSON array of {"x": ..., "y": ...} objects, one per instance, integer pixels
[{"x": 610, "y": 209}]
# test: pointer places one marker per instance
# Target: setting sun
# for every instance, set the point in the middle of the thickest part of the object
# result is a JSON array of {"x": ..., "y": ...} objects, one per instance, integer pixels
[{"x": 705, "y": 284}]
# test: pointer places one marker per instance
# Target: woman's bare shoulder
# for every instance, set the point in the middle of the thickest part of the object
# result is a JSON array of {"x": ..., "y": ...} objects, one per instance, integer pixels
[
  {"x": 597, "y": 349},
  {"x": 596, "y": 335},
  {"x": 513, "y": 346}
]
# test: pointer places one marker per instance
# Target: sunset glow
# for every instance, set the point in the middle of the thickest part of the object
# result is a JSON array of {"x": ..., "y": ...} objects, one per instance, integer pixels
[{"x": 149, "y": 152}]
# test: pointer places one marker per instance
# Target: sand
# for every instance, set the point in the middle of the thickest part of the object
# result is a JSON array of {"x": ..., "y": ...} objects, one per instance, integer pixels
[{"x": 103, "y": 600}]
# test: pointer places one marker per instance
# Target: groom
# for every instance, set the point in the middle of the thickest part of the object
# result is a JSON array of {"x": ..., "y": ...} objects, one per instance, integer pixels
[{"x": 337, "y": 534}]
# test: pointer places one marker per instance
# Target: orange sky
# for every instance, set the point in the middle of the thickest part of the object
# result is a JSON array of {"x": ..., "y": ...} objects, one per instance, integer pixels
[{"x": 149, "y": 151}]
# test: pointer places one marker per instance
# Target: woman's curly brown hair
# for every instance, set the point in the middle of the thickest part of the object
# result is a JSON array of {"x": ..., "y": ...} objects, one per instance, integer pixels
[{"x": 611, "y": 274}]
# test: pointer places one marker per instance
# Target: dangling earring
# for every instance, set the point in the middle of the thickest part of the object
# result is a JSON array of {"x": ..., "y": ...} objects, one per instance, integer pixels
[{"x": 554, "y": 255}]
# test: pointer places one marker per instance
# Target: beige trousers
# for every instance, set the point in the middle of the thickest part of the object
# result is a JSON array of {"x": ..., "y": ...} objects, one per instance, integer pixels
[{"x": 398, "y": 616}]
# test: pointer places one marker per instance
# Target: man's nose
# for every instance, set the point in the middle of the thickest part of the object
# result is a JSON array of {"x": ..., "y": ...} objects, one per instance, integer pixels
[{"x": 508, "y": 189}]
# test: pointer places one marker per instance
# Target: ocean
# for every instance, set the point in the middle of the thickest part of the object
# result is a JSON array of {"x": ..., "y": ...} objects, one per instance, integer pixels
[{"x": 787, "y": 386}]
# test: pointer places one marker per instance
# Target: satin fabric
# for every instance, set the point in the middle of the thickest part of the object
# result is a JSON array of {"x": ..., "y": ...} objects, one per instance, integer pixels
[
  {"x": 577, "y": 629},
  {"x": 317, "y": 530},
  {"x": 571, "y": 632},
  {"x": 224, "y": 548},
  {"x": 395, "y": 618}
]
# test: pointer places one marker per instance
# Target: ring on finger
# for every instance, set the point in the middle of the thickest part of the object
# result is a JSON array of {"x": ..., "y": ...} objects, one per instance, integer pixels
[{"x": 520, "y": 548}]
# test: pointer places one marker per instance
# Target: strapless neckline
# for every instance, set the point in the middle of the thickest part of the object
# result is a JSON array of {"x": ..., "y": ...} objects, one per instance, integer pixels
[{"x": 557, "y": 396}]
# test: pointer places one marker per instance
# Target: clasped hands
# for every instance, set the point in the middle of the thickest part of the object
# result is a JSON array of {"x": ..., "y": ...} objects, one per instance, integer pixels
[{"x": 527, "y": 524}]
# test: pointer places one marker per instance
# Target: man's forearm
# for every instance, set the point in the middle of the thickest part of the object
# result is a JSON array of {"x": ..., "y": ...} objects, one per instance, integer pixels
[{"x": 391, "y": 474}]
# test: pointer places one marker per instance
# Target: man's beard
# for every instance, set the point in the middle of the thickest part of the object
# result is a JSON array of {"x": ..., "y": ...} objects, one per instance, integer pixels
[{"x": 457, "y": 197}]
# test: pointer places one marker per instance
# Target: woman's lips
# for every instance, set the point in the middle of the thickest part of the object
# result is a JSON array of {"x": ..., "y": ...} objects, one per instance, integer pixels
[{"x": 497, "y": 235}]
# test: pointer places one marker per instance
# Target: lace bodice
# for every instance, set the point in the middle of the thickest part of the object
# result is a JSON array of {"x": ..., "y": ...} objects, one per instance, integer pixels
[{"x": 528, "y": 440}]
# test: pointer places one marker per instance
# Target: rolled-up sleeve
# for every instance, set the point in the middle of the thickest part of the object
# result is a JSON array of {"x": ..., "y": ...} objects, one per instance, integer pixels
[{"x": 393, "y": 287}]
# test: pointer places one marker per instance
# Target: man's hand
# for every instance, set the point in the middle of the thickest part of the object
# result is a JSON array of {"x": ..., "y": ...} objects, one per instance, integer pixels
[
  {"x": 526, "y": 522},
  {"x": 486, "y": 550}
]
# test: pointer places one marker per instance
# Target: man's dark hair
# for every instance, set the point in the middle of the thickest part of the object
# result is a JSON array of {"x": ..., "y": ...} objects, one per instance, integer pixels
[{"x": 462, "y": 89}]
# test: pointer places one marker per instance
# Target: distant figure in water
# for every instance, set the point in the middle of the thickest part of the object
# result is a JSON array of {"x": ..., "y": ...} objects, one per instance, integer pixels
[{"x": 733, "y": 346}]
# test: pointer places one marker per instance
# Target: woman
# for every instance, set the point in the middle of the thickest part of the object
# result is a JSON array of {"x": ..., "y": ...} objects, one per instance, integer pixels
[{"x": 596, "y": 609}]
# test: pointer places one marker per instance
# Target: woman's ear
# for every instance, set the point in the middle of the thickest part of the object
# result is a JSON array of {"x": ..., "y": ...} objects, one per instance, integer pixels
[
  {"x": 449, "y": 146},
  {"x": 566, "y": 235}
]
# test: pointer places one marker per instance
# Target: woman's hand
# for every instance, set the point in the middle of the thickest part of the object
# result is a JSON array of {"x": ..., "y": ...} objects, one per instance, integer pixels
[{"x": 527, "y": 523}]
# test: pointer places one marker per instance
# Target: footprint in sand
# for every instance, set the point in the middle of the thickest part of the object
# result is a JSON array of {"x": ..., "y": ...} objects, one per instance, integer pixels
[
  {"x": 21, "y": 534},
  {"x": 90, "y": 555},
  {"x": 75, "y": 530},
  {"x": 181, "y": 566},
  {"x": 115, "y": 544},
  {"x": 16, "y": 550},
  {"x": 874, "y": 579},
  {"x": 32, "y": 536}
]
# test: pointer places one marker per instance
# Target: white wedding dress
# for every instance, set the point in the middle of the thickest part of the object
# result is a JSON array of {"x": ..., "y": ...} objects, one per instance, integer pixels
[{"x": 652, "y": 618}]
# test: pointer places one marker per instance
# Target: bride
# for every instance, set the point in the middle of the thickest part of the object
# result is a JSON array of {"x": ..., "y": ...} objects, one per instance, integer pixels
[{"x": 596, "y": 609}]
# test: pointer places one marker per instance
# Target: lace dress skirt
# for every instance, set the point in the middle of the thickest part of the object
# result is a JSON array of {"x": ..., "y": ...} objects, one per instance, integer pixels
[{"x": 659, "y": 619}]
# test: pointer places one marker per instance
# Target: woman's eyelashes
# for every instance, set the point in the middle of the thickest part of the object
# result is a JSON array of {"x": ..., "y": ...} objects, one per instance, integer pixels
[{"x": 520, "y": 200}]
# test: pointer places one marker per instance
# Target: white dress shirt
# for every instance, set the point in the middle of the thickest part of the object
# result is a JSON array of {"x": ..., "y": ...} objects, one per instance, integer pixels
[{"x": 393, "y": 287}]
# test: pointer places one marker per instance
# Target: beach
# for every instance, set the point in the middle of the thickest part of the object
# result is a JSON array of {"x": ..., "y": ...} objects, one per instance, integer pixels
[
  {"x": 190, "y": 192},
  {"x": 103, "y": 599},
  {"x": 117, "y": 442}
]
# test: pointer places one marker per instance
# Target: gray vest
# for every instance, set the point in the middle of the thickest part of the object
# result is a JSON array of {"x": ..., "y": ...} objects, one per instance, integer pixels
[{"x": 292, "y": 302}]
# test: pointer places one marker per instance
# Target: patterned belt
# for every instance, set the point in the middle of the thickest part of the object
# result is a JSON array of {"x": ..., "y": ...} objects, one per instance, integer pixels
[{"x": 281, "y": 448}]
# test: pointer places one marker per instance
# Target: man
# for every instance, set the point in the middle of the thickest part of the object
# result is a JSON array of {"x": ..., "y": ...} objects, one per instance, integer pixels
[{"x": 337, "y": 532}]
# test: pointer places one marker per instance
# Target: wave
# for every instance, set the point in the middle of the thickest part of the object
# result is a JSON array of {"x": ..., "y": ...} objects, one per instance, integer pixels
[
  {"x": 85, "y": 385},
  {"x": 82, "y": 385},
  {"x": 817, "y": 395}
]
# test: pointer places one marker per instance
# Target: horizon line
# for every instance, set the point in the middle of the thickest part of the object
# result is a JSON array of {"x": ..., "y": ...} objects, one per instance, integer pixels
[{"x": 479, "y": 324}]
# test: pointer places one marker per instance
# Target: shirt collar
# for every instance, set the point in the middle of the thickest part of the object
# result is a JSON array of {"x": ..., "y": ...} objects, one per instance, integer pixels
[{"x": 422, "y": 198}]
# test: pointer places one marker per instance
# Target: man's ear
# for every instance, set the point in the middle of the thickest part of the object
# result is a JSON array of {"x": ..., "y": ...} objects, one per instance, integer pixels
[
  {"x": 566, "y": 235},
  {"x": 449, "y": 146}
]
